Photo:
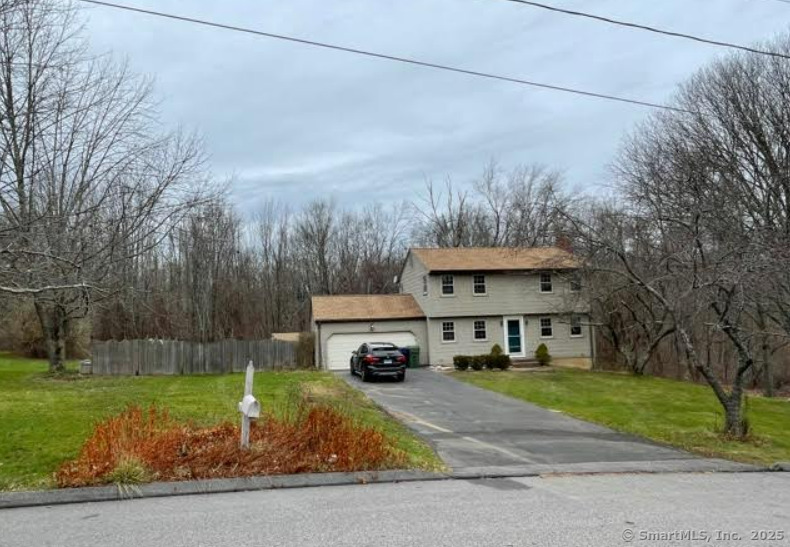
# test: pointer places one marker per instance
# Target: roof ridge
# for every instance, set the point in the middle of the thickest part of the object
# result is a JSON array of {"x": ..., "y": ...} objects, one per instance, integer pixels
[
  {"x": 357, "y": 295},
  {"x": 486, "y": 248},
  {"x": 495, "y": 258}
]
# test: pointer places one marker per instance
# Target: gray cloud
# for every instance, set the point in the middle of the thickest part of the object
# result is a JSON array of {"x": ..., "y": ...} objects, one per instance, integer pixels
[{"x": 293, "y": 122}]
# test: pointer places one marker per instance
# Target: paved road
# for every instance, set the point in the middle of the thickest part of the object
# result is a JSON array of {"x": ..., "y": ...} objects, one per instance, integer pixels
[
  {"x": 473, "y": 427},
  {"x": 555, "y": 511}
]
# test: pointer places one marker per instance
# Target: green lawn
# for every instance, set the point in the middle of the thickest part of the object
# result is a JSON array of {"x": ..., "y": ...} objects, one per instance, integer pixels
[
  {"x": 677, "y": 413},
  {"x": 44, "y": 420}
]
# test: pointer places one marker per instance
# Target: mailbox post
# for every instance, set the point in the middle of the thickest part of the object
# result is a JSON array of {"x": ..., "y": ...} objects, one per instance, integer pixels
[{"x": 249, "y": 406}]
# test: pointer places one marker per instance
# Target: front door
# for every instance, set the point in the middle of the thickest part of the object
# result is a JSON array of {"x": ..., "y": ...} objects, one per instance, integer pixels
[{"x": 514, "y": 336}]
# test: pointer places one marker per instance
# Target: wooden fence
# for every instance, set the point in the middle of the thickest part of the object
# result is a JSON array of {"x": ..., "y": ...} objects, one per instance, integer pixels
[{"x": 173, "y": 357}]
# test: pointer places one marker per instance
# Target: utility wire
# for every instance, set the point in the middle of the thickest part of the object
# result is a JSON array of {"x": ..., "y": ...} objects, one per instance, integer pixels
[
  {"x": 372, "y": 54},
  {"x": 647, "y": 28}
]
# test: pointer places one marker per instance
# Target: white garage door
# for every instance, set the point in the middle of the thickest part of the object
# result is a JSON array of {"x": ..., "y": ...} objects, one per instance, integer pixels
[{"x": 340, "y": 346}]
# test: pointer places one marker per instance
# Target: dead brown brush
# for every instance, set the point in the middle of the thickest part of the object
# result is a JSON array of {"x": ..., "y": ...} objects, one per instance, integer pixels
[{"x": 314, "y": 439}]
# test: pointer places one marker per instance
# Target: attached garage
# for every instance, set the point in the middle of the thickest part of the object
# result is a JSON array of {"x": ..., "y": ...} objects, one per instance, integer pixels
[
  {"x": 340, "y": 346},
  {"x": 343, "y": 323}
]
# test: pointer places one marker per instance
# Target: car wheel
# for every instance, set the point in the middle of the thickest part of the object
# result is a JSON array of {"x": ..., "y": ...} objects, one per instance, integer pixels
[
  {"x": 351, "y": 366},
  {"x": 365, "y": 374},
  {"x": 401, "y": 377}
]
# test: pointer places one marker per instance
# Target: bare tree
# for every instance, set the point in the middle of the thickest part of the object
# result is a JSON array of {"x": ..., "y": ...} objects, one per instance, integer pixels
[
  {"x": 709, "y": 191},
  {"x": 445, "y": 217},
  {"x": 314, "y": 231},
  {"x": 629, "y": 318},
  {"x": 86, "y": 178},
  {"x": 523, "y": 207},
  {"x": 278, "y": 278}
]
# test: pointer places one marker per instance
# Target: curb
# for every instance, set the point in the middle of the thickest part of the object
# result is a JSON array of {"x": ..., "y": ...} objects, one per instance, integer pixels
[
  {"x": 781, "y": 466},
  {"x": 690, "y": 465},
  {"x": 11, "y": 500},
  {"x": 208, "y": 486}
]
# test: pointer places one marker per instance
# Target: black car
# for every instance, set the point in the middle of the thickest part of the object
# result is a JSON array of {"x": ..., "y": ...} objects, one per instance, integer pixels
[{"x": 378, "y": 359}]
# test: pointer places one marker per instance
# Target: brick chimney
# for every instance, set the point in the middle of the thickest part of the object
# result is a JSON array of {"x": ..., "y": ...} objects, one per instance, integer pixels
[{"x": 563, "y": 241}]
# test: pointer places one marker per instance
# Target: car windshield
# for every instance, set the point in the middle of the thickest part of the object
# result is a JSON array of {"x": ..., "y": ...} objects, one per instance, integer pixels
[{"x": 380, "y": 346}]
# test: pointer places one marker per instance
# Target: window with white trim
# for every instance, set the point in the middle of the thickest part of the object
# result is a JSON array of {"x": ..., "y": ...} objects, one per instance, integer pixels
[
  {"x": 448, "y": 331},
  {"x": 480, "y": 331},
  {"x": 546, "y": 329},
  {"x": 576, "y": 325},
  {"x": 425, "y": 285},
  {"x": 448, "y": 285},
  {"x": 478, "y": 284},
  {"x": 545, "y": 282}
]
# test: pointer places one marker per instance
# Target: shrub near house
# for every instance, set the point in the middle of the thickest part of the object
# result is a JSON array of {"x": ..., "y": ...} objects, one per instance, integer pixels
[
  {"x": 542, "y": 355},
  {"x": 495, "y": 360}
]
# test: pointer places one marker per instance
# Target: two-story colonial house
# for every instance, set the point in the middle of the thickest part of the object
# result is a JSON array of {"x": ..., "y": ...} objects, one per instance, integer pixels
[{"x": 462, "y": 301}]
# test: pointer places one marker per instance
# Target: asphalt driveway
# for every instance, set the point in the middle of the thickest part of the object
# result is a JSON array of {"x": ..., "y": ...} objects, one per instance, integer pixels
[{"x": 471, "y": 427}]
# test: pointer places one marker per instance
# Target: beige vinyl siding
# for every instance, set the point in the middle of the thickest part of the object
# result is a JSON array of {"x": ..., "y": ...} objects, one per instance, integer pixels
[
  {"x": 415, "y": 326},
  {"x": 512, "y": 294},
  {"x": 506, "y": 294},
  {"x": 561, "y": 344},
  {"x": 442, "y": 353},
  {"x": 411, "y": 280}
]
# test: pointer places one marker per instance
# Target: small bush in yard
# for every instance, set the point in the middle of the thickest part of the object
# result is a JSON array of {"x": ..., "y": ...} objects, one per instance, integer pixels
[
  {"x": 461, "y": 362},
  {"x": 500, "y": 362},
  {"x": 497, "y": 350},
  {"x": 478, "y": 362},
  {"x": 542, "y": 355},
  {"x": 137, "y": 446}
]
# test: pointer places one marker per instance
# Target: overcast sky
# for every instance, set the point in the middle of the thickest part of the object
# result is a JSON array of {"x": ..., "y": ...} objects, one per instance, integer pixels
[{"x": 293, "y": 122}]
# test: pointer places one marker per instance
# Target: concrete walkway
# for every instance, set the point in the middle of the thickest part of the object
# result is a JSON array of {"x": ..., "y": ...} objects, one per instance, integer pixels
[{"x": 472, "y": 427}]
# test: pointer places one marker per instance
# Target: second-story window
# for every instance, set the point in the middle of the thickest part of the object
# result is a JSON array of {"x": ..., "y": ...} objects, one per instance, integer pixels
[
  {"x": 448, "y": 285},
  {"x": 479, "y": 284},
  {"x": 575, "y": 283},
  {"x": 425, "y": 285},
  {"x": 545, "y": 282}
]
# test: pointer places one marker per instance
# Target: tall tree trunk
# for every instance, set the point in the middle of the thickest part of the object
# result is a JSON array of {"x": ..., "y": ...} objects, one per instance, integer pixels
[
  {"x": 768, "y": 371},
  {"x": 734, "y": 420},
  {"x": 54, "y": 324}
]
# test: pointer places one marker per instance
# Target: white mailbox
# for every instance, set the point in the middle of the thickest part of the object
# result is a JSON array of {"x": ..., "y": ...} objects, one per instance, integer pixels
[{"x": 250, "y": 407}]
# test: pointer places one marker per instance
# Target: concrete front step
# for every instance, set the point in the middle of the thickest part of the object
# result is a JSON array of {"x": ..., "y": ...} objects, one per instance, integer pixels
[{"x": 524, "y": 363}]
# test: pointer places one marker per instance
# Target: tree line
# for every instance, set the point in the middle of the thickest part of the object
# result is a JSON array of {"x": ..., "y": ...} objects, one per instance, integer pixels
[
  {"x": 112, "y": 227},
  {"x": 221, "y": 276}
]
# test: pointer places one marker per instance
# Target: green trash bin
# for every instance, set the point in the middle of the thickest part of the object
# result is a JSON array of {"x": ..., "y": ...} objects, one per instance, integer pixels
[{"x": 414, "y": 356}]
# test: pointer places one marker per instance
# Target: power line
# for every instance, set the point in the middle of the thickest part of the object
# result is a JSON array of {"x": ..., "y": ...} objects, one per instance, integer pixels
[
  {"x": 387, "y": 57},
  {"x": 647, "y": 28}
]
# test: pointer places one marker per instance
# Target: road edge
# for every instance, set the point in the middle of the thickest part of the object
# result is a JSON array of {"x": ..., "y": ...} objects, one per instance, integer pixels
[
  {"x": 88, "y": 494},
  {"x": 36, "y": 498}
]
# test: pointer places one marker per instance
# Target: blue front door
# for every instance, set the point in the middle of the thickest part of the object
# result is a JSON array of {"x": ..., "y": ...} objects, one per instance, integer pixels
[{"x": 514, "y": 339}]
